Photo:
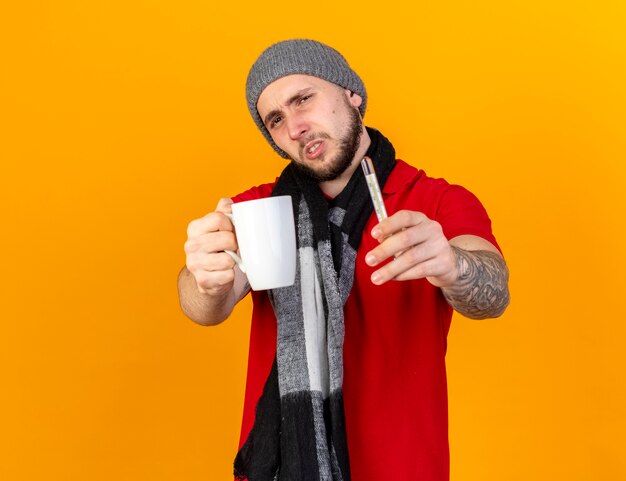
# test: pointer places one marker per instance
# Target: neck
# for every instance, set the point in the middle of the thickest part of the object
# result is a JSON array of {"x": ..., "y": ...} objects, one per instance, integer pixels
[{"x": 333, "y": 187}]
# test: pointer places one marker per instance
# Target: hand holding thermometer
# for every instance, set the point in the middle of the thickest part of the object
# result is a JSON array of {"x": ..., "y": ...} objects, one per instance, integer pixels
[{"x": 374, "y": 188}]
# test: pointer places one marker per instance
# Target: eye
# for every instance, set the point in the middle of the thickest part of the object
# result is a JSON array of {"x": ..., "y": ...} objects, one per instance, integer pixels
[
  {"x": 275, "y": 121},
  {"x": 304, "y": 99}
]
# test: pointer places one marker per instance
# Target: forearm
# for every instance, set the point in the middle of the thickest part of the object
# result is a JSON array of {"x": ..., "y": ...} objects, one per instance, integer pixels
[
  {"x": 481, "y": 289},
  {"x": 203, "y": 308}
]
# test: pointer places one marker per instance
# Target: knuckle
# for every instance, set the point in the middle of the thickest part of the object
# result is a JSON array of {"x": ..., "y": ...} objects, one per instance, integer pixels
[
  {"x": 202, "y": 279},
  {"x": 220, "y": 241},
  {"x": 230, "y": 241},
  {"x": 414, "y": 272},
  {"x": 191, "y": 246},
  {"x": 419, "y": 271},
  {"x": 405, "y": 216},
  {"x": 195, "y": 261},
  {"x": 192, "y": 265},
  {"x": 405, "y": 237},
  {"x": 413, "y": 255},
  {"x": 227, "y": 277},
  {"x": 224, "y": 206},
  {"x": 436, "y": 226},
  {"x": 229, "y": 262},
  {"x": 223, "y": 262},
  {"x": 191, "y": 228},
  {"x": 411, "y": 217}
]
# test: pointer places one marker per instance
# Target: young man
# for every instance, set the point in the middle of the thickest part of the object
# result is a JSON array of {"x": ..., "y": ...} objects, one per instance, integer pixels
[{"x": 366, "y": 399}]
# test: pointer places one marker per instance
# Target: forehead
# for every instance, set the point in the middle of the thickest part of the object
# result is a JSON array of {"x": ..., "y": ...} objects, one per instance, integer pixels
[{"x": 282, "y": 89}]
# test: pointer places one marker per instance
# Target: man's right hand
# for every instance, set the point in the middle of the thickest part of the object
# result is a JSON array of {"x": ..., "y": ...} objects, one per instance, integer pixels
[{"x": 207, "y": 238}]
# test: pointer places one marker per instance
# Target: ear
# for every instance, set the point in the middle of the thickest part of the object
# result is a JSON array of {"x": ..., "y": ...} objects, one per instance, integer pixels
[{"x": 355, "y": 99}]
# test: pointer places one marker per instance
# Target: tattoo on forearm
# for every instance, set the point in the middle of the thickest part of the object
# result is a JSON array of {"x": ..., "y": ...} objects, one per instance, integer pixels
[{"x": 481, "y": 291}]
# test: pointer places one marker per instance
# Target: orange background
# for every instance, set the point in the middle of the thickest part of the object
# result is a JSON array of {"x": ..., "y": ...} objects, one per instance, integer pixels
[{"x": 121, "y": 121}]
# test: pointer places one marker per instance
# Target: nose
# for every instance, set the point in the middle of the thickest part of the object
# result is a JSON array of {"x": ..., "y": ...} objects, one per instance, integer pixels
[{"x": 297, "y": 127}]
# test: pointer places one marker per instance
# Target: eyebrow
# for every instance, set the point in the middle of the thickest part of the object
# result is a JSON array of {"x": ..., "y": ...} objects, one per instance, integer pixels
[{"x": 299, "y": 94}]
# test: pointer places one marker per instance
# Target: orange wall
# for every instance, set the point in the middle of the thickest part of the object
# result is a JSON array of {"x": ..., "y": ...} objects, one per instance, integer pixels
[{"x": 124, "y": 120}]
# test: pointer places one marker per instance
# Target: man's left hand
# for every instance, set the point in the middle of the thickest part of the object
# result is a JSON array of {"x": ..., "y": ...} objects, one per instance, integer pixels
[{"x": 420, "y": 249}]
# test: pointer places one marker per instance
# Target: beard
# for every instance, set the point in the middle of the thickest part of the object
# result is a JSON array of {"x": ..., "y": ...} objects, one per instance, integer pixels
[{"x": 348, "y": 146}]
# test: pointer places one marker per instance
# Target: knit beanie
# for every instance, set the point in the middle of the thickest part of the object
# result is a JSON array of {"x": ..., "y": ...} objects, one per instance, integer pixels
[{"x": 299, "y": 56}]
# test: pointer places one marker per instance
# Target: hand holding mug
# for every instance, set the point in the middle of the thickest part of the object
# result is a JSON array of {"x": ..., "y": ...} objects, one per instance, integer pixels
[{"x": 207, "y": 239}]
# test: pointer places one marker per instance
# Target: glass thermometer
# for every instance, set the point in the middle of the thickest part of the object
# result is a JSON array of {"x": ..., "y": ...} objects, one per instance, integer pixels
[{"x": 374, "y": 188}]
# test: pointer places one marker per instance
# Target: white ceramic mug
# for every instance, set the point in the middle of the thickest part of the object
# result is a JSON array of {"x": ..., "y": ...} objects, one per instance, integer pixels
[{"x": 267, "y": 241}]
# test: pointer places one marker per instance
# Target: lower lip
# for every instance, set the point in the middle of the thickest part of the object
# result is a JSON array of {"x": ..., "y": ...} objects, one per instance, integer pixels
[{"x": 316, "y": 153}]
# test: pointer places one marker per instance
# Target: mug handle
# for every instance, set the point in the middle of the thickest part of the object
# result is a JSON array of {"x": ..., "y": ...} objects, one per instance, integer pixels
[{"x": 232, "y": 254}]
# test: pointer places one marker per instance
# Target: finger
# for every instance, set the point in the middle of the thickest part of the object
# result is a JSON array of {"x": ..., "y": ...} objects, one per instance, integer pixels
[
  {"x": 211, "y": 242},
  {"x": 409, "y": 260},
  {"x": 215, "y": 280},
  {"x": 212, "y": 222},
  {"x": 398, "y": 221},
  {"x": 425, "y": 232},
  {"x": 219, "y": 242},
  {"x": 429, "y": 268},
  {"x": 398, "y": 243},
  {"x": 215, "y": 262}
]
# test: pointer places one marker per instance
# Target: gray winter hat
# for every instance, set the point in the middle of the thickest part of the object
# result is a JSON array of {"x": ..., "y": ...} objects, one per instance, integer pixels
[{"x": 299, "y": 56}]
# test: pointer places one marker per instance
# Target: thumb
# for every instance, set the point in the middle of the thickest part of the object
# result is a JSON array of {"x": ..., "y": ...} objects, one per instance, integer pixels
[{"x": 224, "y": 205}]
